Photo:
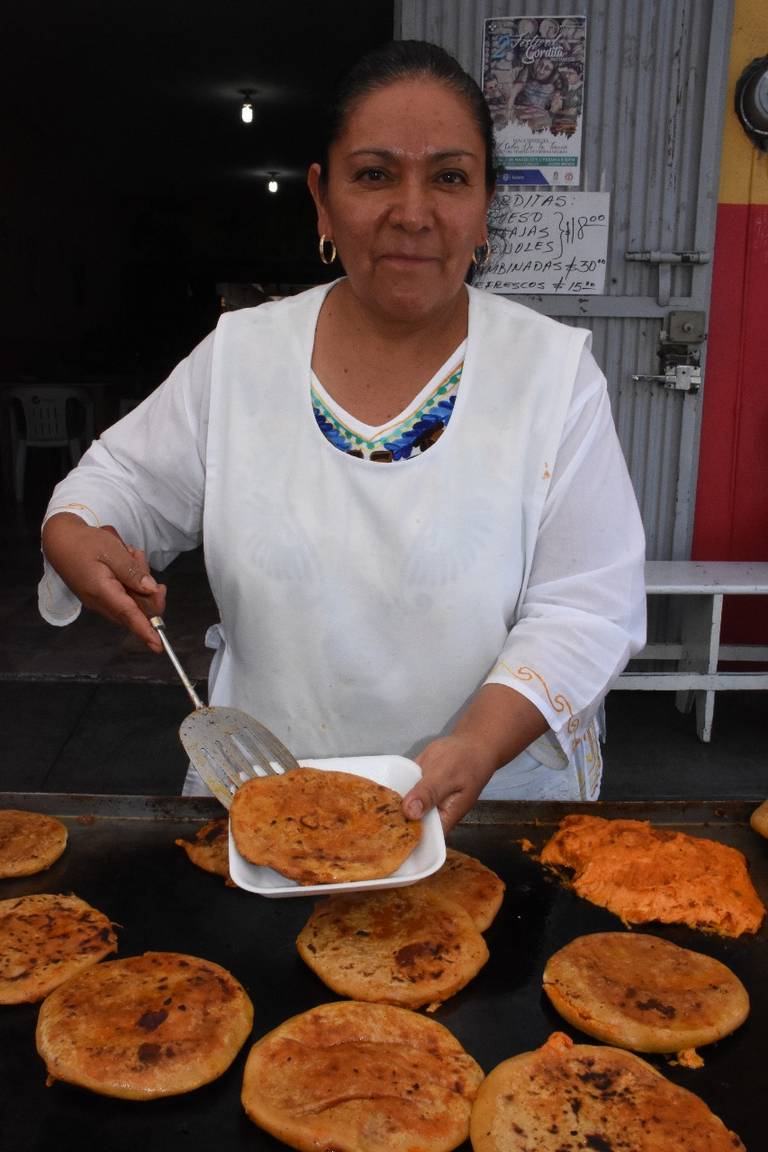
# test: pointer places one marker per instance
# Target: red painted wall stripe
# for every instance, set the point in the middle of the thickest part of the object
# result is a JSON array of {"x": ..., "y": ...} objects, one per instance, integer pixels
[
  {"x": 732, "y": 495},
  {"x": 731, "y": 520}
]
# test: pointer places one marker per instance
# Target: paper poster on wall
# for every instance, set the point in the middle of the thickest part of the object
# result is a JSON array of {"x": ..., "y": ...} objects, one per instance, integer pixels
[
  {"x": 533, "y": 80},
  {"x": 547, "y": 242}
]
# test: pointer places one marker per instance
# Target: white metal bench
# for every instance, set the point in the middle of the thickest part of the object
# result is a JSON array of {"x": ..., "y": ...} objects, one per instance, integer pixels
[{"x": 696, "y": 678}]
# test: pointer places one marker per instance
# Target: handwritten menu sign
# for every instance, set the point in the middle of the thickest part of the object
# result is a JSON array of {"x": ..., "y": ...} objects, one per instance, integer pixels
[{"x": 550, "y": 243}]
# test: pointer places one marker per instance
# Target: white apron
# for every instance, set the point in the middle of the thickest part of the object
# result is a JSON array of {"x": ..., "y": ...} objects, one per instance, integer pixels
[{"x": 362, "y": 604}]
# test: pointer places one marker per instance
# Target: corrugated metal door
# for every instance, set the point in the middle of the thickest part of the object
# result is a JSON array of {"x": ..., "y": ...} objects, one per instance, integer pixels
[{"x": 655, "y": 95}]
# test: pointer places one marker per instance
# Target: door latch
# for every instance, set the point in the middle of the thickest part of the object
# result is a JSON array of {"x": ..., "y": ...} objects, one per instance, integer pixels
[
  {"x": 665, "y": 260},
  {"x": 677, "y": 378},
  {"x": 679, "y": 352}
]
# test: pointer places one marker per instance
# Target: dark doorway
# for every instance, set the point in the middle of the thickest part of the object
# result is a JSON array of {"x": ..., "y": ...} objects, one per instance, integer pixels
[{"x": 131, "y": 186}]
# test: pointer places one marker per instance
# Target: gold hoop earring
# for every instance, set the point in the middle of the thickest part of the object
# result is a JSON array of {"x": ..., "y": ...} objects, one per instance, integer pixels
[
  {"x": 485, "y": 252},
  {"x": 326, "y": 259}
]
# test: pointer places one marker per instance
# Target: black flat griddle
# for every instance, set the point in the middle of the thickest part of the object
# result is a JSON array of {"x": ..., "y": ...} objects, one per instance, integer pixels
[{"x": 122, "y": 859}]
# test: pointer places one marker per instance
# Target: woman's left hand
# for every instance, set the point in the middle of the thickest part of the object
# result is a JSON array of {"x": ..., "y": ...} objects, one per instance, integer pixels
[
  {"x": 497, "y": 725},
  {"x": 455, "y": 769}
]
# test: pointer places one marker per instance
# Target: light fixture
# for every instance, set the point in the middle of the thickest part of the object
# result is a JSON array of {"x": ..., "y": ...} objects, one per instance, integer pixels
[
  {"x": 246, "y": 109},
  {"x": 272, "y": 184},
  {"x": 752, "y": 102}
]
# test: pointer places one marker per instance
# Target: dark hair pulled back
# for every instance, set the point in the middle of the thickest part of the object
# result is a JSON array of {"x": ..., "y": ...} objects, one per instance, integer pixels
[{"x": 405, "y": 60}]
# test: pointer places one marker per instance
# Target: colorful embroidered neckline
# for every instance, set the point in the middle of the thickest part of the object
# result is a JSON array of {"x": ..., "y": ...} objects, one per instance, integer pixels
[{"x": 400, "y": 440}]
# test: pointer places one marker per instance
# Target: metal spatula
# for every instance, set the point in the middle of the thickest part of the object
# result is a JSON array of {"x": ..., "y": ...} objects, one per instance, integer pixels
[{"x": 226, "y": 746}]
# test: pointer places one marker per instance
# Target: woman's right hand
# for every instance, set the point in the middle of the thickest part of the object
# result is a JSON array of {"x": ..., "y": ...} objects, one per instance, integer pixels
[{"x": 107, "y": 575}]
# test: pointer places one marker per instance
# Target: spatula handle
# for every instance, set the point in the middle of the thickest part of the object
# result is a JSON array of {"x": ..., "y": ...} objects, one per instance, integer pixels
[{"x": 159, "y": 626}]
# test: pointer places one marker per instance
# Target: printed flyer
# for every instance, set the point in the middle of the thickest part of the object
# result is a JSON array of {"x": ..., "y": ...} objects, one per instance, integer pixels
[{"x": 533, "y": 80}]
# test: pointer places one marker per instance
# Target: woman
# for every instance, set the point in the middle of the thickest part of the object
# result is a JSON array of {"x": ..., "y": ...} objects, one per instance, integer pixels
[
  {"x": 417, "y": 520},
  {"x": 535, "y": 96},
  {"x": 570, "y": 83}
]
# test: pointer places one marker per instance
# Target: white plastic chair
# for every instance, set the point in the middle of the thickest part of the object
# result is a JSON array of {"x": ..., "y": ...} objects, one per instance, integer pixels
[{"x": 48, "y": 416}]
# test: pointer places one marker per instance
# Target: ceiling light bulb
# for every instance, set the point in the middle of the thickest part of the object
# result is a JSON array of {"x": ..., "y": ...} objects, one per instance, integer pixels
[
  {"x": 272, "y": 184},
  {"x": 246, "y": 108}
]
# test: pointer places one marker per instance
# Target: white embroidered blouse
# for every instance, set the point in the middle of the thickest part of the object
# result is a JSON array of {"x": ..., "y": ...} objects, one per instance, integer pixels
[{"x": 362, "y": 606}]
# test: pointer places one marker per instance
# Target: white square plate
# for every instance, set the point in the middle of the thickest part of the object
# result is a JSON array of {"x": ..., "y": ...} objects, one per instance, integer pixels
[{"x": 393, "y": 771}]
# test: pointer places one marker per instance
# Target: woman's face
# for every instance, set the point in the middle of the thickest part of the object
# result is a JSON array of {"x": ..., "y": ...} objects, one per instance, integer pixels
[
  {"x": 549, "y": 29},
  {"x": 405, "y": 200},
  {"x": 543, "y": 69}
]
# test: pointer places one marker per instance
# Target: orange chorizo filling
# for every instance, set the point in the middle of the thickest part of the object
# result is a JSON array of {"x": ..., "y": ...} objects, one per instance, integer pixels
[{"x": 643, "y": 873}]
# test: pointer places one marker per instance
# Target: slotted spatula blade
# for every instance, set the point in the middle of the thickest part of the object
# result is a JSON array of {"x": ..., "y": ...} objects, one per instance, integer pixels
[{"x": 226, "y": 746}]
